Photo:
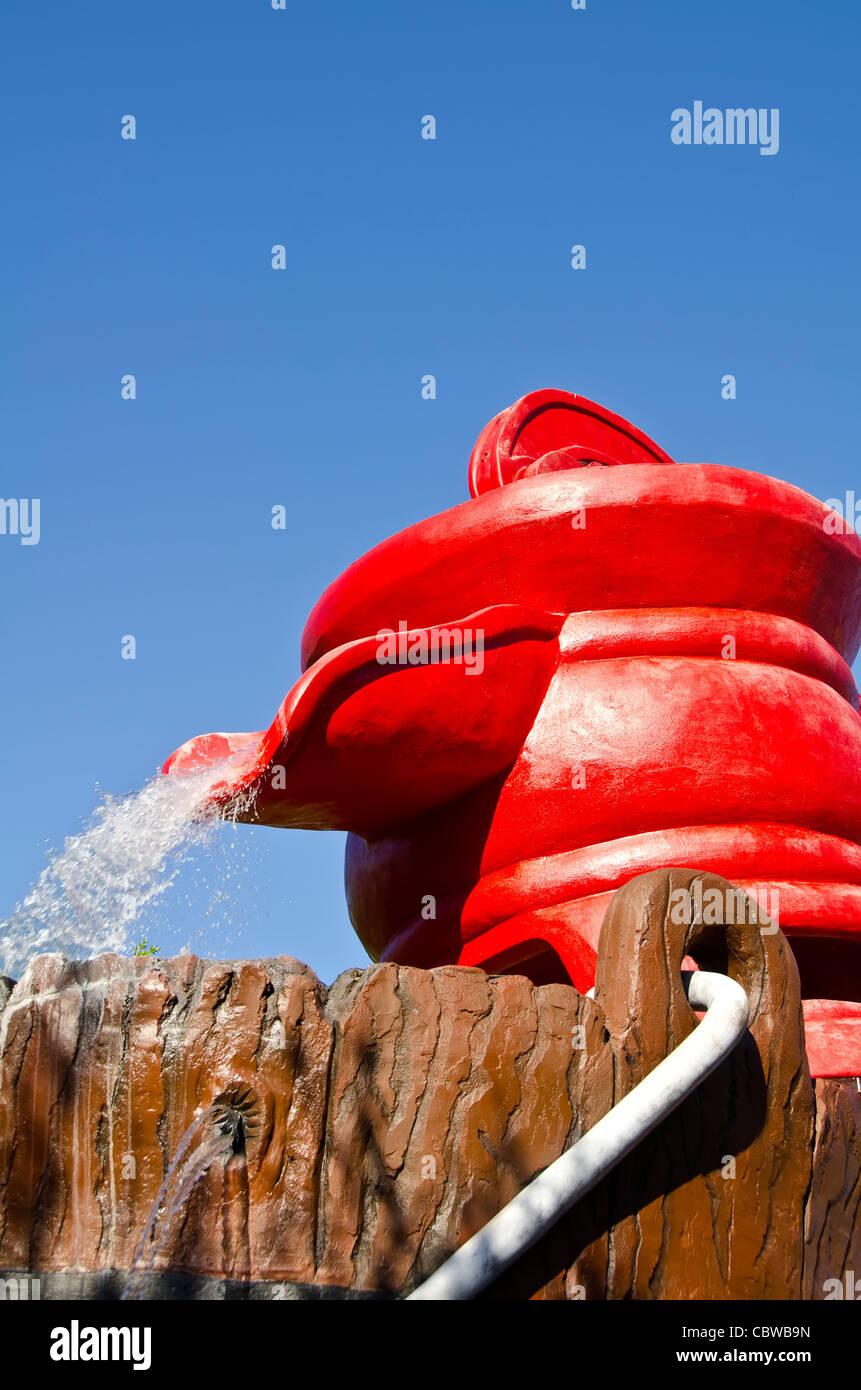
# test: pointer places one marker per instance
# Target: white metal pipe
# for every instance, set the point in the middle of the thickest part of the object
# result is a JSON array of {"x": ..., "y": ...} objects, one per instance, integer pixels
[{"x": 534, "y": 1210}]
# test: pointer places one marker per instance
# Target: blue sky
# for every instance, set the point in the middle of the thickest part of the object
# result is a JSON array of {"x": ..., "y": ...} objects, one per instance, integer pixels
[{"x": 302, "y": 387}]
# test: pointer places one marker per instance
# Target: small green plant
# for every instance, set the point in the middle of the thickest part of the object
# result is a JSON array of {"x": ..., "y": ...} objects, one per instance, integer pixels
[{"x": 143, "y": 948}]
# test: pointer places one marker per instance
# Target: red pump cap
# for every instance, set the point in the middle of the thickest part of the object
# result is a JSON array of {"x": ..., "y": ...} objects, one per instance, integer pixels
[{"x": 551, "y": 430}]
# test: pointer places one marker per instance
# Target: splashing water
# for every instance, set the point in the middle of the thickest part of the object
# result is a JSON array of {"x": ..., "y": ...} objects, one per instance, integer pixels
[{"x": 94, "y": 890}]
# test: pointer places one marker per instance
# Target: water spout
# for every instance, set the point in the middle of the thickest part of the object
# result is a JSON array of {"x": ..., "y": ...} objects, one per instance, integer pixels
[{"x": 218, "y": 1134}]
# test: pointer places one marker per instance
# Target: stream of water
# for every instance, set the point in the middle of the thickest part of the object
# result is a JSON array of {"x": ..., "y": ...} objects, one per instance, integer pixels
[
  {"x": 208, "y": 1139},
  {"x": 94, "y": 893}
]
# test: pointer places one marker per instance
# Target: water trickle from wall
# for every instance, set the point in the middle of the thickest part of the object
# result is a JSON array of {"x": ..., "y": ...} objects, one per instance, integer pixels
[{"x": 214, "y": 1135}]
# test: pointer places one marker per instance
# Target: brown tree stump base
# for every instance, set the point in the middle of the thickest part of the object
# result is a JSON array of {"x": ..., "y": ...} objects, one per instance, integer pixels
[{"x": 238, "y": 1121}]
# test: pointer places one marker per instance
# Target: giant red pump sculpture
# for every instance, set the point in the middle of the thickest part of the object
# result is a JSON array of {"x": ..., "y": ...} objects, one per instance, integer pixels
[{"x": 604, "y": 663}]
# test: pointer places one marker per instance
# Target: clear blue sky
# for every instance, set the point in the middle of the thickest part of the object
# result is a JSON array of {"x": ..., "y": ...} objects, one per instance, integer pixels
[{"x": 405, "y": 257}]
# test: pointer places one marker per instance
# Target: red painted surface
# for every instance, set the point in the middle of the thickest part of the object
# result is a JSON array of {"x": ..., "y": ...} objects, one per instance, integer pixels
[{"x": 663, "y": 680}]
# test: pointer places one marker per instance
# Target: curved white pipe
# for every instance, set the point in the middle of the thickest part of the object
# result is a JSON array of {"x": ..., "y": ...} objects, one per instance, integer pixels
[{"x": 534, "y": 1210}]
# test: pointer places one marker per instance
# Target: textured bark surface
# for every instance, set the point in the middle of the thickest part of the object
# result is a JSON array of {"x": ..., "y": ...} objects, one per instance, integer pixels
[{"x": 237, "y": 1120}]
